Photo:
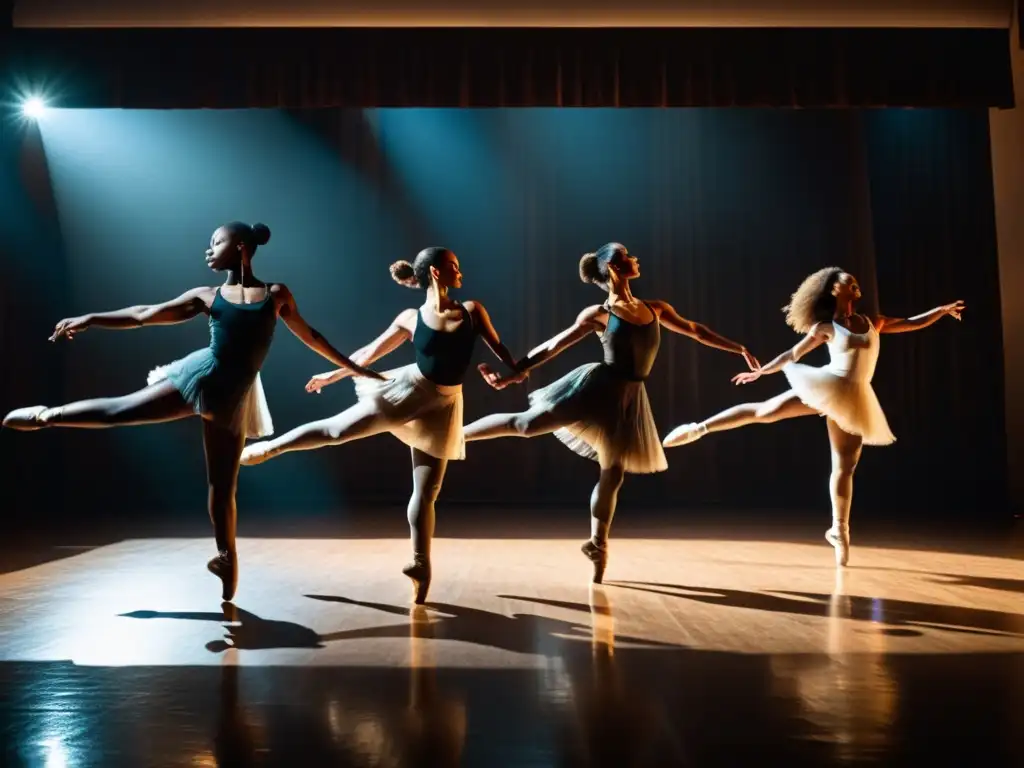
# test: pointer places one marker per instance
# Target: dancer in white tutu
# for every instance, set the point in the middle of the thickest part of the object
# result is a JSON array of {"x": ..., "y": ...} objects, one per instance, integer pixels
[
  {"x": 600, "y": 410},
  {"x": 219, "y": 383},
  {"x": 823, "y": 308},
  {"x": 420, "y": 404}
]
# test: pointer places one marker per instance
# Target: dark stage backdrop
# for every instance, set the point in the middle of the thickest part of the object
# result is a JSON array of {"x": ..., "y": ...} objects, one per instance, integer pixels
[{"x": 726, "y": 209}]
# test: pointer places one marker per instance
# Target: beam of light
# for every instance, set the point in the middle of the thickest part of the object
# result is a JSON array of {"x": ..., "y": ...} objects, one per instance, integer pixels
[{"x": 33, "y": 107}]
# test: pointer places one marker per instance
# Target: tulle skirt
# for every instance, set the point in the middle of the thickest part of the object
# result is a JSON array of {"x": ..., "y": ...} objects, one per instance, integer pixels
[
  {"x": 611, "y": 419},
  {"x": 420, "y": 413},
  {"x": 851, "y": 404},
  {"x": 223, "y": 397}
]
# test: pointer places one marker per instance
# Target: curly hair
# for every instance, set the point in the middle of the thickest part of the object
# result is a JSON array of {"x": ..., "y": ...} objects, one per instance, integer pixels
[{"x": 813, "y": 301}]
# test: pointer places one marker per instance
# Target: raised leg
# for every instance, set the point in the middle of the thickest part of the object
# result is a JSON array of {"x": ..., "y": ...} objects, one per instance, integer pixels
[
  {"x": 223, "y": 449},
  {"x": 156, "y": 403},
  {"x": 846, "y": 450},
  {"x": 784, "y": 406},
  {"x": 529, "y": 423},
  {"x": 603, "y": 500},
  {"x": 427, "y": 476},
  {"x": 361, "y": 420}
]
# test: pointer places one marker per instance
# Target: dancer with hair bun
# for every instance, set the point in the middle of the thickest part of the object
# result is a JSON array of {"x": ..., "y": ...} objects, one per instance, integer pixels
[
  {"x": 600, "y": 410},
  {"x": 420, "y": 404},
  {"x": 220, "y": 384},
  {"x": 824, "y": 309}
]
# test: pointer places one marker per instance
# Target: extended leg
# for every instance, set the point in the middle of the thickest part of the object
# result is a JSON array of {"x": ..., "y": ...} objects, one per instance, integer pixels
[
  {"x": 223, "y": 449},
  {"x": 529, "y": 423},
  {"x": 156, "y": 403},
  {"x": 784, "y": 406},
  {"x": 361, "y": 420},
  {"x": 602, "y": 509},
  {"x": 427, "y": 476},
  {"x": 846, "y": 450}
]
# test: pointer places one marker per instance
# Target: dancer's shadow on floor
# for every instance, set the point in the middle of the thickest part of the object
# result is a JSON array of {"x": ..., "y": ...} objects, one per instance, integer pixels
[
  {"x": 518, "y": 633},
  {"x": 246, "y": 631},
  {"x": 895, "y": 613}
]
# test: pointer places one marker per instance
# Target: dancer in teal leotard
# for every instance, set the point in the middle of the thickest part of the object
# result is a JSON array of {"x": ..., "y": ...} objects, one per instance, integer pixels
[{"x": 220, "y": 384}]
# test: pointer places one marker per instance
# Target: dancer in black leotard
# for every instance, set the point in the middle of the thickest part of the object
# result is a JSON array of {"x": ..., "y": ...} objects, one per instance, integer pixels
[
  {"x": 600, "y": 410},
  {"x": 219, "y": 383},
  {"x": 420, "y": 404}
]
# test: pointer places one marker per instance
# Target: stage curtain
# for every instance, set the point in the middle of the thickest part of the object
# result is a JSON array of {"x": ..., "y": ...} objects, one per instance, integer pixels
[{"x": 233, "y": 68}]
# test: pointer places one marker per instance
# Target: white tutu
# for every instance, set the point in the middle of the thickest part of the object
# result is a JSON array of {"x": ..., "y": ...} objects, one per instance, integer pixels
[
  {"x": 850, "y": 403},
  {"x": 420, "y": 413},
  {"x": 254, "y": 413}
]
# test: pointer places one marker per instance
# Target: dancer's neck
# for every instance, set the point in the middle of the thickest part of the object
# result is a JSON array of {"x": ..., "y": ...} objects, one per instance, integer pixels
[
  {"x": 844, "y": 311},
  {"x": 437, "y": 298},
  {"x": 242, "y": 276},
  {"x": 620, "y": 294}
]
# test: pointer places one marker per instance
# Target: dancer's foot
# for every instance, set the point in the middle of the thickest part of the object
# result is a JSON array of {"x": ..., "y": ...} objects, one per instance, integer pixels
[
  {"x": 27, "y": 419},
  {"x": 840, "y": 541},
  {"x": 225, "y": 567},
  {"x": 686, "y": 433},
  {"x": 419, "y": 572},
  {"x": 255, "y": 453},
  {"x": 598, "y": 555}
]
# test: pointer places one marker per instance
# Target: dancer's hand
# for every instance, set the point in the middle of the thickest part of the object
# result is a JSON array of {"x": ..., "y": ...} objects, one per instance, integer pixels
[
  {"x": 751, "y": 361},
  {"x": 68, "y": 327},
  {"x": 498, "y": 381},
  {"x": 954, "y": 309},
  {"x": 746, "y": 377},
  {"x": 321, "y": 380}
]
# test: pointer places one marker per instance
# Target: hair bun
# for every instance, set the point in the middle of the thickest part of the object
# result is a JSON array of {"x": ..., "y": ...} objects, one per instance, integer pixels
[
  {"x": 260, "y": 234},
  {"x": 403, "y": 273},
  {"x": 590, "y": 271}
]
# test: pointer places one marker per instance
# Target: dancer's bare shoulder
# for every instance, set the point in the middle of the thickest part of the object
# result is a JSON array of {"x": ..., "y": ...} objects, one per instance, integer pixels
[
  {"x": 406, "y": 320},
  {"x": 594, "y": 316},
  {"x": 822, "y": 330}
]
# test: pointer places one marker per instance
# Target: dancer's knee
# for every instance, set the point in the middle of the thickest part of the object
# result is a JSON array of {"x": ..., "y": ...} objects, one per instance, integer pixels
[
  {"x": 222, "y": 493},
  {"x": 766, "y": 413},
  {"x": 529, "y": 424}
]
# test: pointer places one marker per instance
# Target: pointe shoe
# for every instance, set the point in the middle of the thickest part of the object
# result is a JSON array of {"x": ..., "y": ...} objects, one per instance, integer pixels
[
  {"x": 686, "y": 433},
  {"x": 254, "y": 454},
  {"x": 225, "y": 567},
  {"x": 419, "y": 572},
  {"x": 840, "y": 541},
  {"x": 26, "y": 419},
  {"x": 598, "y": 556}
]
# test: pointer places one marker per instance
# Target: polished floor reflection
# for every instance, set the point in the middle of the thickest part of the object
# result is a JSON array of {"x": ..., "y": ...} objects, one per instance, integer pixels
[{"x": 697, "y": 652}]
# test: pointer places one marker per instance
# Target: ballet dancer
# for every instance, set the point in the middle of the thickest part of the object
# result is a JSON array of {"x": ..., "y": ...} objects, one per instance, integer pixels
[
  {"x": 420, "y": 404},
  {"x": 220, "y": 384},
  {"x": 824, "y": 309},
  {"x": 600, "y": 410}
]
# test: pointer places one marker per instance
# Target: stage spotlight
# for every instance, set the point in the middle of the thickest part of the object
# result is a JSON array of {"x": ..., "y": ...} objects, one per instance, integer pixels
[{"x": 33, "y": 107}]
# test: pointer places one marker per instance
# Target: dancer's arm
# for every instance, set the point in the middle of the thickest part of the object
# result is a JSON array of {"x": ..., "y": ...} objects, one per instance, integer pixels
[
  {"x": 398, "y": 332},
  {"x": 289, "y": 313},
  {"x": 590, "y": 320},
  {"x": 482, "y": 322},
  {"x": 817, "y": 336},
  {"x": 185, "y": 307},
  {"x": 903, "y": 325},
  {"x": 675, "y": 322}
]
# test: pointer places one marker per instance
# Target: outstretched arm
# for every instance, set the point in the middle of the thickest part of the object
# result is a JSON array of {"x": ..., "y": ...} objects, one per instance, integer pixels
[
  {"x": 588, "y": 321},
  {"x": 396, "y": 333},
  {"x": 289, "y": 313},
  {"x": 185, "y": 307},
  {"x": 675, "y": 322},
  {"x": 818, "y": 335},
  {"x": 903, "y": 325},
  {"x": 487, "y": 331}
]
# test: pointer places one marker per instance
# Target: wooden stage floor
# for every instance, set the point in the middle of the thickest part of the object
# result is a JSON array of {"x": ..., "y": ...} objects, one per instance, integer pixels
[{"x": 697, "y": 651}]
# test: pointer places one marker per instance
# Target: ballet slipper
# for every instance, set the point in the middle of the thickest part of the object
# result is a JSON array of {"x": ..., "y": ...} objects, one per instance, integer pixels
[
  {"x": 419, "y": 572},
  {"x": 839, "y": 538},
  {"x": 225, "y": 567},
  {"x": 598, "y": 555},
  {"x": 686, "y": 433},
  {"x": 254, "y": 454},
  {"x": 26, "y": 419}
]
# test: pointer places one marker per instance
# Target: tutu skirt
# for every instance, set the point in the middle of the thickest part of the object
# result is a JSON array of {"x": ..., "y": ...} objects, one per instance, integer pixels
[
  {"x": 610, "y": 419},
  {"x": 218, "y": 394},
  {"x": 420, "y": 413},
  {"x": 850, "y": 403}
]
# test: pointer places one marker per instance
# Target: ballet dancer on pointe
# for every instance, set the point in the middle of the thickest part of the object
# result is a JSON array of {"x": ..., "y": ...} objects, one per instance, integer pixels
[
  {"x": 220, "y": 384},
  {"x": 420, "y": 404},
  {"x": 824, "y": 309},
  {"x": 601, "y": 410}
]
